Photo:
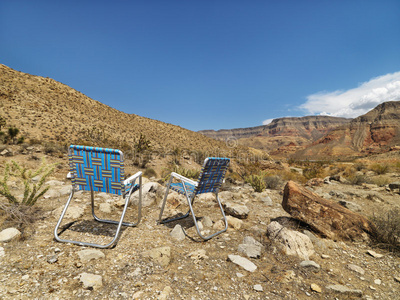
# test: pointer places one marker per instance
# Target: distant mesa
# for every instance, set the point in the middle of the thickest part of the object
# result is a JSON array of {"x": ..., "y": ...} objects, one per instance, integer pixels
[{"x": 323, "y": 136}]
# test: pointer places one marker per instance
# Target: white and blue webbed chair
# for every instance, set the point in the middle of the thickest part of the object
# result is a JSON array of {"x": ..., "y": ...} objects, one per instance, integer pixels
[
  {"x": 101, "y": 170},
  {"x": 210, "y": 180}
]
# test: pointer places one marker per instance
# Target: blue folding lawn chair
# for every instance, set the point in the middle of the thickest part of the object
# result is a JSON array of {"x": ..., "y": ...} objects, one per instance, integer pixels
[
  {"x": 101, "y": 170},
  {"x": 210, "y": 180}
]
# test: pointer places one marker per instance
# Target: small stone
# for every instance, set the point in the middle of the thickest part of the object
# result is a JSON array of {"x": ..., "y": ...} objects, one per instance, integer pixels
[
  {"x": 234, "y": 223},
  {"x": 324, "y": 256},
  {"x": 239, "y": 275},
  {"x": 207, "y": 222},
  {"x": 89, "y": 254},
  {"x": 310, "y": 264},
  {"x": 91, "y": 280},
  {"x": 105, "y": 208},
  {"x": 242, "y": 262},
  {"x": 342, "y": 289},
  {"x": 378, "y": 281},
  {"x": 374, "y": 254},
  {"x": 397, "y": 278},
  {"x": 355, "y": 268},
  {"x": 316, "y": 288},
  {"x": 25, "y": 277},
  {"x": 177, "y": 233},
  {"x": 51, "y": 259},
  {"x": 9, "y": 234},
  {"x": 2, "y": 252},
  {"x": 253, "y": 251},
  {"x": 258, "y": 288}
]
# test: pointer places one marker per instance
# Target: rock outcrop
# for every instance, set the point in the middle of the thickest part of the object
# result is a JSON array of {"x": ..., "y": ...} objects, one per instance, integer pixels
[{"x": 327, "y": 218}]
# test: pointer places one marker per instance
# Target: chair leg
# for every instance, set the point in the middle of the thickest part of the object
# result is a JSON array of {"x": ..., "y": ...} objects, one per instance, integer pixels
[
  {"x": 126, "y": 199},
  {"x": 160, "y": 221},
  {"x": 197, "y": 227},
  {"x": 120, "y": 223}
]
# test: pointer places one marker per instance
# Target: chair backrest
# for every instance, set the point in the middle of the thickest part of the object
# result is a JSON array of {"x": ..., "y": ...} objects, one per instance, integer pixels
[
  {"x": 212, "y": 175},
  {"x": 97, "y": 169}
]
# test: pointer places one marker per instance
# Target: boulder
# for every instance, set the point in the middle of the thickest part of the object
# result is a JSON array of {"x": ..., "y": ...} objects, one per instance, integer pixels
[
  {"x": 150, "y": 191},
  {"x": 329, "y": 219},
  {"x": 291, "y": 242}
]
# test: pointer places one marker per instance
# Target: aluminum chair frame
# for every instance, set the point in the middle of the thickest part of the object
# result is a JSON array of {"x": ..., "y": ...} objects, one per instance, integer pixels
[
  {"x": 191, "y": 189},
  {"x": 124, "y": 188}
]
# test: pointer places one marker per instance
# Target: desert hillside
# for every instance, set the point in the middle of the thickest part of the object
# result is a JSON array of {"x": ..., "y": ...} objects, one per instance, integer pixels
[{"x": 49, "y": 111}]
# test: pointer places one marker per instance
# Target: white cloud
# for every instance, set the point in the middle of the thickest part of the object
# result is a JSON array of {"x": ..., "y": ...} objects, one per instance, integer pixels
[
  {"x": 267, "y": 121},
  {"x": 355, "y": 102}
]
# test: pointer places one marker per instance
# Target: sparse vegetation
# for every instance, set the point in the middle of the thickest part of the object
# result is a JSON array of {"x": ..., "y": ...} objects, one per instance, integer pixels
[
  {"x": 387, "y": 229},
  {"x": 32, "y": 190},
  {"x": 257, "y": 182},
  {"x": 358, "y": 179},
  {"x": 142, "y": 144},
  {"x": 272, "y": 182},
  {"x": 149, "y": 172},
  {"x": 380, "y": 180},
  {"x": 188, "y": 173},
  {"x": 379, "y": 168}
]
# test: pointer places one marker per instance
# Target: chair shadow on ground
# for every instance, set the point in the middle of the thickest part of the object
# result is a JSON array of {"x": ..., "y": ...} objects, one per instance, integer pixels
[{"x": 93, "y": 227}]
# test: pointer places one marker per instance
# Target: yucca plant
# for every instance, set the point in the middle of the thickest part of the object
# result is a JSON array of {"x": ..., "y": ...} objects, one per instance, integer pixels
[{"x": 32, "y": 191}]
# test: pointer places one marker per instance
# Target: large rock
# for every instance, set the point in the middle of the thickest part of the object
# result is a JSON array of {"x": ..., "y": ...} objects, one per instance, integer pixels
[
  {"x": 290, "y": 241},
  {"x": 328, "y": 218}
]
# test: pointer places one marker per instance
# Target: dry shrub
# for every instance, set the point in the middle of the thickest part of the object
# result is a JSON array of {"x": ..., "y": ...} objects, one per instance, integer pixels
[
  {"x": 149, "y": 172},
  {"x": 273, "y": 182},
  {"x": 379, "y": 168},
  {"x": 293, "y": 176},
  {"x": 357, "y": 179},
  {"x": 387, "y": 233},
  {"x": 381, "y": 180}
]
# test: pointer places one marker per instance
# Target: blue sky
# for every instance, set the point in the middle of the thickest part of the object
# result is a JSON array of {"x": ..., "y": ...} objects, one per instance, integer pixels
[{"x": 212, "y": 64}]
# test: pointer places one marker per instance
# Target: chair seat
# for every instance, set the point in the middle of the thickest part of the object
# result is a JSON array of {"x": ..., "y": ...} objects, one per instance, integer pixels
[{"x": 178, "y": 187}]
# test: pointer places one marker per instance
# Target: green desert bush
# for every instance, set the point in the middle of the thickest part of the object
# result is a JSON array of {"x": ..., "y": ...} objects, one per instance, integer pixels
[
  {"x": 32, "y": 190},
  {"x": 387, "y": 233},
  {"x": 257, "y": 182}
]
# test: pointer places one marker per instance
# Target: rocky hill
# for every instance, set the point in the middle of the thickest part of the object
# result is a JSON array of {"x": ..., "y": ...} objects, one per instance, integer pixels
[
  {"x": 296, "y": 133},
  {"x": 48, "y": 111},
  {"x": 378, "y": 131}
]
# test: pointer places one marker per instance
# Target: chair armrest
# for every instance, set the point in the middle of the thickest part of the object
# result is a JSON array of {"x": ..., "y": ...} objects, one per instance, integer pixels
[
  {"x": 183, "y": 178},
  {"x": 133, "y": 177}
]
